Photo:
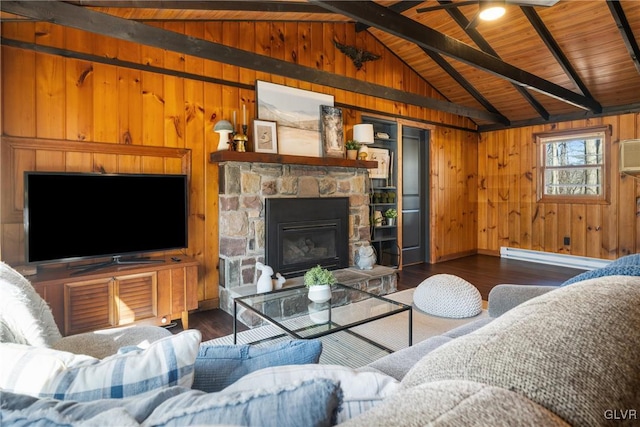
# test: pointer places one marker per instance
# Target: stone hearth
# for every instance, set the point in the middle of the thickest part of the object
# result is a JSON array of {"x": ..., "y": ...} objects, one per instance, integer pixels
[{"x": 244, "y": 186}]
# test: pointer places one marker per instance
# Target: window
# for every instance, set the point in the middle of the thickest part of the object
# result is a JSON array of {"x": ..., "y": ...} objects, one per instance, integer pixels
[{"x": 572, "y": 165}]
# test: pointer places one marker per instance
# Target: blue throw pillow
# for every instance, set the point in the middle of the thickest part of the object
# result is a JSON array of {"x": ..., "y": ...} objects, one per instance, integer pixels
[
  {"x": 609, "y": 270},
  {"x": 312, "y": 403},
  {"x": 218, "y": 366},
  {"x": 628, "y": 260}
]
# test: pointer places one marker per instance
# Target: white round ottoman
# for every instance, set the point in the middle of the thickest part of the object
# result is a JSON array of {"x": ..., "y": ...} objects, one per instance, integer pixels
[{"x": 446, "y": 295}]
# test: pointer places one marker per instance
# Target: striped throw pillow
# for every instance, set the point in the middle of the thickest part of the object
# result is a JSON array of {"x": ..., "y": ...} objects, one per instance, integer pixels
[{"x": 43, "y": 372}]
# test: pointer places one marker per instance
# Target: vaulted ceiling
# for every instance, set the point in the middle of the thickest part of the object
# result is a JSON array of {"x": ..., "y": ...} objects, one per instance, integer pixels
[{"x": 545, "y": 61}]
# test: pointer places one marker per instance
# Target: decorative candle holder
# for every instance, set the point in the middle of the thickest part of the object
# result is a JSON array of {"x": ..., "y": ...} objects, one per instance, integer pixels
[{"x": 240, "y": 140}]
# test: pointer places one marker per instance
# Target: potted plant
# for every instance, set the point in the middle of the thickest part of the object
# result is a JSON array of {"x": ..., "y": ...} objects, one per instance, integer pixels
[
  {"x": 352, "y": 149},
  {"x": 391, "y": 215},
  {"x": 391, "y": 196},
  {"x": 319, "y": 280}
]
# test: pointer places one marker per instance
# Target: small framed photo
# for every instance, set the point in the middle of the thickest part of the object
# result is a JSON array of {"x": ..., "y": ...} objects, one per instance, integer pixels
[
  {"x": 381, "y": 156},
  {"x": 265, "y": 137}
]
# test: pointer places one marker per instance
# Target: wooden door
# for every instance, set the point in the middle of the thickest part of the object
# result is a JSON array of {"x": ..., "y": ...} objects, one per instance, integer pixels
[{"x": 415, "y": 168}]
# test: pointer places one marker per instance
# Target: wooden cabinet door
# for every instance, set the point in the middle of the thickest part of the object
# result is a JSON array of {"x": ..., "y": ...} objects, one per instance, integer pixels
[
  {"x": 135, "y": 297},
  {"x": 88, "y": 306}
]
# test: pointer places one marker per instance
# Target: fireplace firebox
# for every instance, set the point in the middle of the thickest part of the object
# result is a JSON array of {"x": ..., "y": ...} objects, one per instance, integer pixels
[{"x": 304, "y": 232}]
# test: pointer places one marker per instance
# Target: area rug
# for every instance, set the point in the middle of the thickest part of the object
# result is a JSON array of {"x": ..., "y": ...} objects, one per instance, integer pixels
[{"x": 347, "y": 349}]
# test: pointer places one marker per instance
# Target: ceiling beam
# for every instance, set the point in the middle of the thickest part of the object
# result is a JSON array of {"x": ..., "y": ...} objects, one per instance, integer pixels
[
  {"x": 484, "y": 45},
  {"x": 615, "y": 110},
  {"x": 99, "y": 23},
  {"x": 449, "y": 69},
  {"x": 554, "y": 48},
  {"x": 625, "y": 31},
  {"x": 399, "y": 7},
  {"x": 247, "y": 6},
  {"x": 394, "y": 23}
]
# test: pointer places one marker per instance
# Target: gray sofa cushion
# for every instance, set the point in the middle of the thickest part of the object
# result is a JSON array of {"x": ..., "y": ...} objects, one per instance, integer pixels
[
  {"x": 397, "y": 364},
  {"x": 503, "y": 298},
  {"x": 573, "y": 351},
  {"x": 107, "y": 342},
  {"x": 456, "y": 404}
]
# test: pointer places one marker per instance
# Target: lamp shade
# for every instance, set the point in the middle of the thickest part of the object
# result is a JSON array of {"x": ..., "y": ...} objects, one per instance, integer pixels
[
  {"x": 363, "y": 133},
  {"x": 223, "y": 126}
]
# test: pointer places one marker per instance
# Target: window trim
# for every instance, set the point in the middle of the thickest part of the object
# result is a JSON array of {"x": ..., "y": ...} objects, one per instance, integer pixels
[{"x": 603, "y": 198}]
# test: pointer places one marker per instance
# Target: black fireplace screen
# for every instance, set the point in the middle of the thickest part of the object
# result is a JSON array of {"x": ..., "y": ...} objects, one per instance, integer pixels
[{"x": 302, "y": 233}]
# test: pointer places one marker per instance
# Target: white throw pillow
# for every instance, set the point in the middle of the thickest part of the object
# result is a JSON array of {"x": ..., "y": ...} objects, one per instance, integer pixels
[
  {"x": 43, "y": 372},
  {"x": 29, "y": 370},
  {"x": 361, "y": 389},
  {"x": 26, "y": 317}
]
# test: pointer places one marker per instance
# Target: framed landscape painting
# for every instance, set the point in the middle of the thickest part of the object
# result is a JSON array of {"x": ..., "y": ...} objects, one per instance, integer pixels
[
  {"x": 332, "y": 133},
  {"x": 297, "y": 113}
]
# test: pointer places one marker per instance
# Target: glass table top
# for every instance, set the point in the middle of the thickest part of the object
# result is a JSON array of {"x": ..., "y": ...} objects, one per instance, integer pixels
[{"x": 292, "y": 311}]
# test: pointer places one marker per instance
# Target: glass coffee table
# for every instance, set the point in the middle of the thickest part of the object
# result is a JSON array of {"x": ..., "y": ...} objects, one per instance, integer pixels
[{"x": 292, "y": 313}]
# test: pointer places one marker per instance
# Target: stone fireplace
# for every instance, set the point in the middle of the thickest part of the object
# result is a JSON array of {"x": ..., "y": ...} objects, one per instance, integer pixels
[{"x": 246, "y": 188}]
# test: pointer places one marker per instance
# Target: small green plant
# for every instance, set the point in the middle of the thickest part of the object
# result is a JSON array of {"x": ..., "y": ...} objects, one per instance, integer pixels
[
  {"x": 318, "y": 276},
  {"x": 352, "y": 144},
  {"x": 391, "y": 213}
]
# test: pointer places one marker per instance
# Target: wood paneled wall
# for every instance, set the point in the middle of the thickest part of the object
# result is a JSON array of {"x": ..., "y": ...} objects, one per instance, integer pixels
[
  {"x": 508, "y": 214},
  {"x": 54, "y": 97}
]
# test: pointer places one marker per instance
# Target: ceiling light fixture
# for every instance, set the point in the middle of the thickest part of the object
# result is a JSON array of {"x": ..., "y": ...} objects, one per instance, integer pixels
[{"x": 491, "y": 10}]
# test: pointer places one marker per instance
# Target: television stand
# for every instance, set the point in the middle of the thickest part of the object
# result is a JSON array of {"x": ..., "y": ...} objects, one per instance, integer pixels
[
  {"x": 150, "y": 293},
  {"x": 116, "y": 260}
]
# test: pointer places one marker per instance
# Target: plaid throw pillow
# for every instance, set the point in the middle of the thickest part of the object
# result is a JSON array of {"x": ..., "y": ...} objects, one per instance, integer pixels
[{"x": 165, "y": 363}]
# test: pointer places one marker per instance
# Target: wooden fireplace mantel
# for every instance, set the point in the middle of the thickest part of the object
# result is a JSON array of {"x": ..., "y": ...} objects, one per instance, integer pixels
[{"x": 236, "y": 156}]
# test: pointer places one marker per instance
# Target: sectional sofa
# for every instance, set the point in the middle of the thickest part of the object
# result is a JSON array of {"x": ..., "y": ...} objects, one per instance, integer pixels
[{"x": 562, "y": 356}]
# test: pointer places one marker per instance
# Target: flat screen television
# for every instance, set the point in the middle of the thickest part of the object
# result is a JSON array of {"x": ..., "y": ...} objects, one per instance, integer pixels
[{"x": 75, "y": 216}]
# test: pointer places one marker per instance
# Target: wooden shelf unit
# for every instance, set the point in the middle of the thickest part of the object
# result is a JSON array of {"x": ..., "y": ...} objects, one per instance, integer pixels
[
  {"x": 384, "y": 238},
  {"x": 120, "y": 295}
]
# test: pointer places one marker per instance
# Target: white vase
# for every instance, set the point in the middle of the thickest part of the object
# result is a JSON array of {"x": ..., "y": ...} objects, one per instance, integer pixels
[
  {"x": 319, "y": 313},
  {"x": 319, "y": 293}
]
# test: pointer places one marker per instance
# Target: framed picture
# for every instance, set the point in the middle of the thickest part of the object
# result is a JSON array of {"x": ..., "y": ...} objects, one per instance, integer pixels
[
  {"x": 265, "y": 137},
  {"x": 332, "y": 134},
  {"x": 297, "y": 113},
  {"x": 381, "y": 156}
]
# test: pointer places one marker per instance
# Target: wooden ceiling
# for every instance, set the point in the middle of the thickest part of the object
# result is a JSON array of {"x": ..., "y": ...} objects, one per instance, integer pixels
[{"x": 571, "y": 60}]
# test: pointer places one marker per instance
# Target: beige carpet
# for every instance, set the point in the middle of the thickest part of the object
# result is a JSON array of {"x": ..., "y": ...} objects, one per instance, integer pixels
[{"x": 346, "y": 349}]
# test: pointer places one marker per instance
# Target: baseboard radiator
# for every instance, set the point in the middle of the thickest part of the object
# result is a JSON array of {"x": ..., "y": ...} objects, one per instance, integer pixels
[{"x": 564, "y": 260}]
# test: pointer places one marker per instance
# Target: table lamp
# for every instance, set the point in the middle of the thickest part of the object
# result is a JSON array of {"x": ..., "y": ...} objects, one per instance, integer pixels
[
  {"x": 224, "y": 128},
  {"x": 363, "y": 133}
]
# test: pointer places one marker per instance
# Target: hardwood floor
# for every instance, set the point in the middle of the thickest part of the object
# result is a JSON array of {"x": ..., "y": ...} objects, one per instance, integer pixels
[{"x": 481, "y": 270}]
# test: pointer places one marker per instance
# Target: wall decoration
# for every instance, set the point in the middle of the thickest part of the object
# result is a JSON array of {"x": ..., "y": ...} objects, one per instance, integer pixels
[
  {"x": 358, "y": 56},
  {"x": 297, "y": 113},
  {"x": 265, "y": 137},
  {"x": 381, "y": 156},
  {"x": 332, "y": 133}
]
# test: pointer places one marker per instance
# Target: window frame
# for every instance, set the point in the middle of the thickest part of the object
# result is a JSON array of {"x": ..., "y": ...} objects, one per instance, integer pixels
[{"x": 542, "y": 138}]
